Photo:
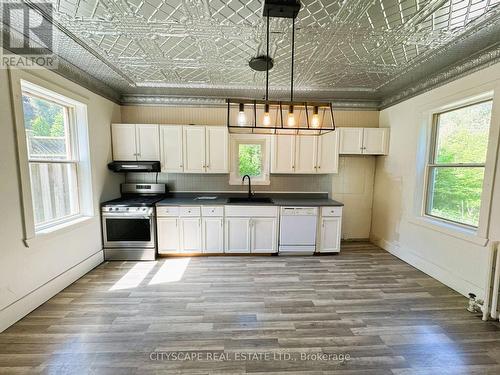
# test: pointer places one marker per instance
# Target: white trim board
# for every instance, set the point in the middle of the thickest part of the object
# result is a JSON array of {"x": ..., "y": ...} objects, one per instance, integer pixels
[
  {"x": 435, "y": 271},
  {"x": 23, "y": 306}
]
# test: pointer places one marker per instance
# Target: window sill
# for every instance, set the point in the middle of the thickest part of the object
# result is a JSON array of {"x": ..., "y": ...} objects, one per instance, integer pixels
[
  {"x": 453, "y": 230},
  {"x": 257, "y": 182},
  {"x": 56, "y": 230}
]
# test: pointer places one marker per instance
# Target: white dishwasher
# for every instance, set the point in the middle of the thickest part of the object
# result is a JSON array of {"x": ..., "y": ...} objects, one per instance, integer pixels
[{"x": 298, "y": 228}]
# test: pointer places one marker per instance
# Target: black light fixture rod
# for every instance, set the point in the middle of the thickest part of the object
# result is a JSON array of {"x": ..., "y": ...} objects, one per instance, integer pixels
[
  {"x": 293, "y": 55},
  {"x": 267, "y": 59}
]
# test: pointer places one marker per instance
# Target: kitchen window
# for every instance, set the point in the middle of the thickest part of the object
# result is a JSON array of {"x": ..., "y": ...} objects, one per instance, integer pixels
[
  {"x": 457, "y": 160},
  {"x": 57, "y": 156},
  {"x": 250, "y": 156}
]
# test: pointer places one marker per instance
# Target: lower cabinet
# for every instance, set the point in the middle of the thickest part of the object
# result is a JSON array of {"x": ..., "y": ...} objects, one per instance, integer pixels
[
  {"x": 237, "y": 235},
  {"x": 190, "y": 235},
  {"x": 213, "y": 234},
  {"x": 330, "y": 230},
  {"x": 251, "y": 229},
  {"x": 168, "y": 234},
  {"x": 263, "y": 234}
]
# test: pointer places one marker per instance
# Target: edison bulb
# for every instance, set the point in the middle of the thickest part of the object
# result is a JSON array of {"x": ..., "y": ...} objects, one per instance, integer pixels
[
  {"x": 267, "y": 119},
  {"x": 291, "y": 120},
  {"x": 242, "y": 118},
  {"x": 315, "y": 121}
]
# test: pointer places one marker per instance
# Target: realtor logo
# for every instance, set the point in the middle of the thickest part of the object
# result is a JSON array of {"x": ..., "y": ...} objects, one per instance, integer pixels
[{"x": 28, "y": 35}]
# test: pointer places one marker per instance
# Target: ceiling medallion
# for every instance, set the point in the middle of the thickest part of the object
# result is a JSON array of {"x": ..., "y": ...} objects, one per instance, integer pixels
[{"x": 267, "y": 117}]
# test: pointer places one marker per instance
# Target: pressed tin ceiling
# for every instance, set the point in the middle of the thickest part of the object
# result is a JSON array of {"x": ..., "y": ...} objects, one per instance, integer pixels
[{"x": 366, "y": 53}]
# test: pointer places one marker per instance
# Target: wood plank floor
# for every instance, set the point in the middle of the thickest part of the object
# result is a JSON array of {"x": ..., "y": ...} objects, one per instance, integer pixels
[{"x": 225, "y": 315}]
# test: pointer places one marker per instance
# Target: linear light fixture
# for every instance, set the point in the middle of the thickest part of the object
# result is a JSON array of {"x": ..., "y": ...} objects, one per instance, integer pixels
[{"x": 267, "y": 117}]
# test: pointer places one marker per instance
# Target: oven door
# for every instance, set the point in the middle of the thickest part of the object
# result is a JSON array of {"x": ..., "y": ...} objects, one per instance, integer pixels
[{"x": 128, "y": 230}]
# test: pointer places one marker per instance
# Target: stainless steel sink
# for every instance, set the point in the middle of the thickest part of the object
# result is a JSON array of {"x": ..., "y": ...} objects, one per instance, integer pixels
[{"x": 249, "y": 200}]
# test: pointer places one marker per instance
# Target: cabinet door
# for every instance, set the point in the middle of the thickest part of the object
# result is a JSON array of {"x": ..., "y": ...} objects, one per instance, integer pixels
[
  {"x": 375, "y": 141},
  {"x": 213, "y": 235},
  {"x": 328, "y": 153},
  {"x": 351, "y": 140},
  {"x": 305, "y": 154},
  {"x": 148, "y": 142},
  {"x": 123, "y": 140},
  {"x": 194, "y": 149},
  {"x": 237, "y": 235},
  {"x": 264, "y": 235},
  {"x": 283, "y": 154},
  {"x": 168, "y": 235},
  {"x": 190, "y": 235},
  {"x": 171, "y": 149},
  {"x": 330, "y": 234},
  {"x": 217, "y": 158}
]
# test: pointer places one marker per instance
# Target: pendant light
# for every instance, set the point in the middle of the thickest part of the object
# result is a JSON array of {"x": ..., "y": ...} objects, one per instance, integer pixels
[
  {"x": 287, "y": 117},
  {"x": 291, "y": 115}
]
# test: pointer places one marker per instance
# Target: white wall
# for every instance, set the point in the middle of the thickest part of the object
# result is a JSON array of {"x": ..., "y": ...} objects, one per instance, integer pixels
[
  {"x": 457, "y": 263},
  {"x": 353, "y": 186},
  {"x": 30, "y": 276}
]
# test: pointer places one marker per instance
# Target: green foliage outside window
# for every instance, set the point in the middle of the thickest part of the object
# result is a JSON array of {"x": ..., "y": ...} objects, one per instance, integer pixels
[
  {"x": 250, "y": 159},
  {"x": 462, "y": 137},
  {"x": 43, "y": 118}
]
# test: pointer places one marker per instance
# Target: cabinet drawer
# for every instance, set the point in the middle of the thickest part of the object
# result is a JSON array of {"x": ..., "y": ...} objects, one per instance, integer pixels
[
  {"x": 189, "y": 211},
  {"x": 251, "y": 211},
  {"x": 167, "y": 211},
  {"x": 331, "y": 211},
  {"x": 212, "y": 211}
]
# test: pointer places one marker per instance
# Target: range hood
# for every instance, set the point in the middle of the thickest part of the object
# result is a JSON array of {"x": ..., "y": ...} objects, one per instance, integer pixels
[{"x": 134, "y": 166}]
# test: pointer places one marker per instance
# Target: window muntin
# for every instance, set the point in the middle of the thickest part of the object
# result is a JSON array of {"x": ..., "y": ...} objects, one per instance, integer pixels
[
  {"x": 457, "y": 163},
  {"x": 53, "y": 159}
]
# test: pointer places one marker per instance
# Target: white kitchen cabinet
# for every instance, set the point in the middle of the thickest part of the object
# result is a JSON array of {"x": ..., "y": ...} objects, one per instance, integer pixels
[
  {"x": 306, "y": 153},
  {"x": 190, "y": 235},
  {"x": 171, "y": 149},
  {"x": 213, "y": 234},
  {"x": 217, "y": 149},
  {"x": 366, "y": 141},
  {"x": 123, "y": 140},
  {"x": 194, "y": 149},
  {"x": 351, "y": 140},
  {"x": 283, "y": 151},
  {"x": 168, "y": 235},
  {"x": 330, "y": 229},
  {"x": 237, "y": 234},
  {"x": 148, "y": 142},
  {"x": 263, "y": 235},
  {"x": 375, "y": 141},
  {"x": 328, "y": 156},
  {"x": 132, "y": 142}
]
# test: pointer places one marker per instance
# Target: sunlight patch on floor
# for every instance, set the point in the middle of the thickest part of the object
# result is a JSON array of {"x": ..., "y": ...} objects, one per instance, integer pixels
[
  {"x": 172, "y": 270},
  {"x": 134, "y": 276}
]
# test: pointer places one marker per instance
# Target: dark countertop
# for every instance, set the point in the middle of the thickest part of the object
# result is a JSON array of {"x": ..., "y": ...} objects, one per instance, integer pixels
[{"x": 278, "y": 199}]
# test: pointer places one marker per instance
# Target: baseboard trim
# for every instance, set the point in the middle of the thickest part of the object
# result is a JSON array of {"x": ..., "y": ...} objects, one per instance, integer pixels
[
  {"x": 435, "y": 271},
  {"x": 23, "y": 306}
]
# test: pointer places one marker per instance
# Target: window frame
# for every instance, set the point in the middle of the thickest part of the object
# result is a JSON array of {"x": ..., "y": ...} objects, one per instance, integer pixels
[
  {"x": 73, "y": 154},
  {"x": 235, "y": 141},
  {"x": 432, "y": 165},
  {"x": 21, "y": 81},
  {"x": 427, "y": 110}
]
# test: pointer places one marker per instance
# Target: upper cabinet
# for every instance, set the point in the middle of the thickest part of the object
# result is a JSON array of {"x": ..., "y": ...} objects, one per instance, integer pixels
[
  {"x": 194, "y": 149},
  {"x": 171, "y": 149},
  {"x": 133, "y": 142},
  {"x": 305, "y": 154},
  {"x": 366, "y": 141}
]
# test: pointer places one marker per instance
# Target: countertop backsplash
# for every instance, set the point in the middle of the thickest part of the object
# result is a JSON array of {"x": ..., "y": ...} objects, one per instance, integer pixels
[{"x": 220, "y": 182}]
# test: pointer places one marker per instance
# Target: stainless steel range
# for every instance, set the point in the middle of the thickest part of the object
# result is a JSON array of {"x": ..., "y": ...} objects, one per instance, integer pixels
[{"x": 128, "y": 223}]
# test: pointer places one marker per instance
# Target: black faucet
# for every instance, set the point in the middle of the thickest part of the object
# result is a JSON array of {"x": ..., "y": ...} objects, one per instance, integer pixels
[{"x": 249, "y": 185}]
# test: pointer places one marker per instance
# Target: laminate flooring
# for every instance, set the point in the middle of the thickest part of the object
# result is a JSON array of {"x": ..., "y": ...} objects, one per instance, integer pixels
[{"x": 361, "y": 312}]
